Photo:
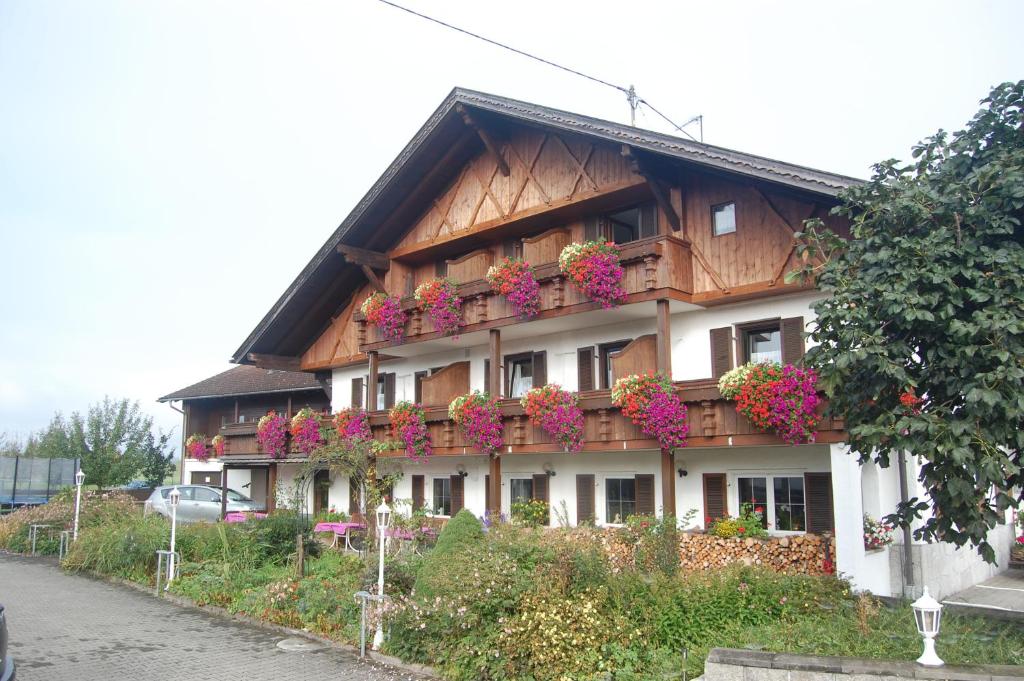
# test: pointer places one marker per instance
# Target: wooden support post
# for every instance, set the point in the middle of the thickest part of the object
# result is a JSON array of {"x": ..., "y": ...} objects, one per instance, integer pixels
[
  {"x": 661, "y": 196},
  {"x": 664, "y": 339},
  {"x": 236, "y": 411},
  {"x": 224, "y": 489},
  {"x": 497, "y": 387},
  {"x": 371, "y": 384},
  {"x": 289, "y": 408},
  {"x": 489, "y": 143},
  {"x": 668, "y": 482},
  {"x": 272, "y": 488},
  {"x": 495, "y": 473}
]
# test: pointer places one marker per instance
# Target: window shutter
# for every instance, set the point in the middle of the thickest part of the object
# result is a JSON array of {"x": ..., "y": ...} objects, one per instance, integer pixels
[
  {"x": 792, "y": 332},
  {"x": 540, "y": 487},
  {"x": 458, "y": 493},
  {"x": 357, "y": 393},
  {"x": 648, "y": 220},
  {"x": 818, "y": 491},
  {"x": 645, "y": 494},
  {"x": 540, "y": 369},
  {"x": 389, "y": 390},
  {"x": 584, "y": 498},
  {"x": 487, "y": 376},
  {"x": 353, "y": 496},
  {"x": 715, "y": 500},
  {"x": 417, "y": 492},
  {"x": 721, "y": 351},
  {"x": 418, "y": 386},
  {"x": 585, "y": 368}
]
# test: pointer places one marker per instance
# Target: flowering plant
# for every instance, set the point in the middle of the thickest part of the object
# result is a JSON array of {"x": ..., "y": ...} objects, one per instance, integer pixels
[
  {"x": 306, "y": 430},
  {"x": 557, "y": 411},
  {"x": 385, "y": 312},
  {"x": 409, "y": 427},
  {"x": 270, "y": 434},
  {"x": 910, "y": 401},
  {"x": 652, "y": 404},
  {"x": 593, "y": 267},
  {"x": 195, "y": 445},
  {"x": 219, "y": 443},
  {"x": 478, "y": 417},
  {"x": 437, "y": 297},
  {"x": 775, "y": 397},
  {"x": 352, "y": 425},
  {"x": 750, "y": 523},
  {"x": 514, "y": 279},
  {"x": 876, "y": 533}
]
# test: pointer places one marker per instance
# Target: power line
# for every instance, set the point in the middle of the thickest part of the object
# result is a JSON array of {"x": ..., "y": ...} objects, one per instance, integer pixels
[{"x": 630, "y": 92}]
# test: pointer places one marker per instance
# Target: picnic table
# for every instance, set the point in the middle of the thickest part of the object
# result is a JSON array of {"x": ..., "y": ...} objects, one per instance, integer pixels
[
  {"x": 240, "y": 517},
  {"x": 340, "y": 529}
]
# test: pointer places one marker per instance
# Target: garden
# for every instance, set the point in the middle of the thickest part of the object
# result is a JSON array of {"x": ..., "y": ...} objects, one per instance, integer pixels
[{"x": 510, "y": 600}]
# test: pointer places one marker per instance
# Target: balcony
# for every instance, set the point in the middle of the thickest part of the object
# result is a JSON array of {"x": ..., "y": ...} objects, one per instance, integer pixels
[{"x": 655, "y": 267}]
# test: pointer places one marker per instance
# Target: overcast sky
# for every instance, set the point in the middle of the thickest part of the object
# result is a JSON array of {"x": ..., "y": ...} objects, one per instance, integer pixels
[{"x": 167, "y": 168}]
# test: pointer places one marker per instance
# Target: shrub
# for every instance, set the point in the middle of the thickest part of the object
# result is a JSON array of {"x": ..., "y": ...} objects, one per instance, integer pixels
[
  {"x": 532, "y": 513},
  {"x": 275, "y": 536},
  {"x": 96, "y": 509},
  {"x": 750, "y": 523},
  {"x": 461, "y": 533},
  {"x": 655, "y": 543},
  {"x": 121, "y": 549}
]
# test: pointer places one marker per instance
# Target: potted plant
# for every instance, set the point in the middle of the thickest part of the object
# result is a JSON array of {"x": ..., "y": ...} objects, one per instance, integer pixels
[
  {"x": 593, "y": 267},
  {"x": 775, "y": 397},
  {"x": 196, "y": 447},
  {"x": 305, "y": 429},
  {"x": 558, "y": 412},
  {"x": 438, "y": 299},
  {"x": 409, "y": 429},
  {"x": 385, "y": 312},
  {"x": 651, "y": 403},
  {"x": 514, "y": 279},
  {"x": 479, "y": 419},
  {"x": 271, "y": 433}
]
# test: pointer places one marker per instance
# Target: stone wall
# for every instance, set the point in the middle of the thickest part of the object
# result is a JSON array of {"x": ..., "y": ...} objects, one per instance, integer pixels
[
  {"x": 947, "y": 569},
  {"x": 726, "y": 664}
]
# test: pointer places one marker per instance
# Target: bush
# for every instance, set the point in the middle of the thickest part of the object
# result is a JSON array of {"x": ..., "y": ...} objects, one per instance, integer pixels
[
  {"x": 748, "y": 524},
  {"x": 96, "y": 509},
  {"x": 655, "y": 543},
  {"x": 275, "y": 536},
  {"x": 532, "y": 513},
  {"x": 121, "y": 549},
  {"x": 461, "y": 533}
]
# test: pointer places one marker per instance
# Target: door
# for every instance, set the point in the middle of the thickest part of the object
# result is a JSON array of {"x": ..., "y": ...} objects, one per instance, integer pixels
[
  {"x": 211, "y": 478},
  {"x": 321, "y": 491}
]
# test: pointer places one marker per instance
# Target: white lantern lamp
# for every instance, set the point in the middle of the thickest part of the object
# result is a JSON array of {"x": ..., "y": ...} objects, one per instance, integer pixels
[
  {"x": 172, "y": 498},
  {"x": 383, "y": 521},
  {"x": 928, "y": 614},
  {"x": 383, "y": 516},
  {"x": 79, "y": 481}
]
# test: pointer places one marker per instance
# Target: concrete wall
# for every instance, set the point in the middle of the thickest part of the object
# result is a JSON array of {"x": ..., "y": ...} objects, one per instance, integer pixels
[{"x": 726, "y": 664}]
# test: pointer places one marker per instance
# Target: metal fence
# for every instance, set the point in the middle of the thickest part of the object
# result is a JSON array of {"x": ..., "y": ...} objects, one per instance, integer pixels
[{"x": 25, "y": 481}]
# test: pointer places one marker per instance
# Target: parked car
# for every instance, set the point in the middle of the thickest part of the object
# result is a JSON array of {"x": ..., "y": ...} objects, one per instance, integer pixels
[
  {"x": 7, "y": 672},
  {"x": 197, "y": 503}
]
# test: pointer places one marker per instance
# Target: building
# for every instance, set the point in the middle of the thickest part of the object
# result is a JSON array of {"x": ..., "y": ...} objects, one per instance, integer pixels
[
  {"x": 706, "y": 237},
  {"x": 230, "y": 404}
]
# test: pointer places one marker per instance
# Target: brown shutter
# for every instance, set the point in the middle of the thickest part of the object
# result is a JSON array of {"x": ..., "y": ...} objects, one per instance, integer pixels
[
  {"x": 584, "y": 498},
  {"x": 357, "y": 393},
  {"x": 648, "y": 220},
  {"x": 540, "y": 487},
  {"x": 590, "y": 228},
  {"x": 818, "y": 497},
  {"x": 410, "y": 285},
  {"x": 389, "y": 390},
  {"x": 417, "y": 492},
  {"x": 487, "y": 376},
  {"x": 716, "y": 504},
  {"x": 792, "y": 332},
  {"x": 418, "y": 386},
  {"x": 487, "y": 493},
  {"x": 645, "y": 494},
  {"x": 458, "y": 493},
  {"x": 721, "y": 351},
  {"x": 353, "y": 496},
  {"x": 540, "y": 369},
  {"x": 585, "y": 368}
]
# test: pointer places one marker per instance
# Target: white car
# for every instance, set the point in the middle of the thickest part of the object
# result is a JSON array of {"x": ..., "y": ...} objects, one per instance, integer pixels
[{"x": 197, "y": 503}]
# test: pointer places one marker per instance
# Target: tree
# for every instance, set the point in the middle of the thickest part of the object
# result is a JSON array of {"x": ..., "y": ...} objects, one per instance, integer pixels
[
  {"x": 54, "y": 441},
  {"x": 157, "y": 458},
  {"x": 922, "y": 334},
  {"x": 110, "y": 441}
]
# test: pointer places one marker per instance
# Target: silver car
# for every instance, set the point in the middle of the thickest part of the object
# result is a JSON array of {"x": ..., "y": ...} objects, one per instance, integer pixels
[{"x": 197, "y": 503}]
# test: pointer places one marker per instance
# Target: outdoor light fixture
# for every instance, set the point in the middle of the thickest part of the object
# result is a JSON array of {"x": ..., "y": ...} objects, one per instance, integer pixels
[
  {"x": 383, "y": 520},
  {"x": 928, "y": 614},
  {"x": 461, "y": 470},
  {"x": 682, "y": 472},
  {"x": 173, "y": 498},
  {"x": 79, "y": 479},
  {"x": 549, "y": 470}
]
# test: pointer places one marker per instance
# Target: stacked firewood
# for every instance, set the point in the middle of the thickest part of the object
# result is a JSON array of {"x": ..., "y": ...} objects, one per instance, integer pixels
[{"x": 802, "y": 554}]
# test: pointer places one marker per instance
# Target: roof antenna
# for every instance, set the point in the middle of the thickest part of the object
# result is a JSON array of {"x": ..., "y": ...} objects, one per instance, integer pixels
[{"x": 634, "y": 102}]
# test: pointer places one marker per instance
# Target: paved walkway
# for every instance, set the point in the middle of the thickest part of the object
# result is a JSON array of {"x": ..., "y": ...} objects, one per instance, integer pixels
[
  {"x": 1004, "y": 592},
  {"x": 75, "y": 627}
]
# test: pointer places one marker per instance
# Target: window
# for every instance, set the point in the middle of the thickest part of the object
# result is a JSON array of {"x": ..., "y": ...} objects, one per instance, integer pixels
[
  {"x": 623, "y": 226},
  {"x": 522, "y": 489},
  {"x": 381, "y": 392},
  {"x": 204, "y": 494},
  {"x": 789, "y": 504},
  {"x": 520, "y": 374},
  {"x": 723, "y": 218},
  {"x": 620, "y": 499},
  {"x": 762, "y": 343},
  {"x": 606, "y": 351},
  {"x": 442, "y": 500},
  {"x": 779, "y": 500}
]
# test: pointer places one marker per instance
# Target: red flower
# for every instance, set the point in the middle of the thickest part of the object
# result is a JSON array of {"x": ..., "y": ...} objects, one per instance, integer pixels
[
  {"x": 759, "y": 509},
  {"x": 741, "y": 530}
]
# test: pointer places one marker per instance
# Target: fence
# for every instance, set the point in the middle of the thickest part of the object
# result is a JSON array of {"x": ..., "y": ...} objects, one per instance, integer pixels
[{"x": 25, "y": 481}]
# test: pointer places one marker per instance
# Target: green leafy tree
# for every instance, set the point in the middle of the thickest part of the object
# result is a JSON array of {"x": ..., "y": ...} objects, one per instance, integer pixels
[
  {"x": 54, "y": 441},
  {"x": 157, "y": 457},
  {"x": 922, "y": 334},
  {"x": 110, "y": 441}
]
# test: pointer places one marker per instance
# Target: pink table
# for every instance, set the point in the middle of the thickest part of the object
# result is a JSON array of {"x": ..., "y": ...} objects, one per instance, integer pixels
[
  {"x": 339, "y": 530},
  {"x": 239, "y": 517}
]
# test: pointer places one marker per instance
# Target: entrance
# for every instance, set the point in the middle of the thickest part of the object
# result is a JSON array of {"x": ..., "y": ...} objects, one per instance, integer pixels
[{"x": 321, "y": 490}]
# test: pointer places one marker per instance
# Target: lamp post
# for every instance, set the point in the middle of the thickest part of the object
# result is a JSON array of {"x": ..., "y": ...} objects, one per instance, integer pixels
[
  {"x": 383, "y": 520},
  {"x": 928, "y": 614},
  {"x": 79, "y": 479},
  {"x": 173, "y": 499}
]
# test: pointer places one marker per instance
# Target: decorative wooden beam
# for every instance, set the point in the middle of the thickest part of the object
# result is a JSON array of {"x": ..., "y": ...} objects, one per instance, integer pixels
[
  {"x": 361, "y": 256},
  {"x": 663, "y": 342},
  {"x": 485, "y": 137},
  {"x": 278, "y": 362},
  {"x": 371, "y": 388},
  {"x": 374, "y": 280},
  {"x": 660, "y": 195},
  {"x": 494, "y": 349}
]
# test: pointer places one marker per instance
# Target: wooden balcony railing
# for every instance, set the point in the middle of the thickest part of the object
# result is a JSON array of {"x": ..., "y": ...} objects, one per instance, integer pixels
[{"x": 655, "y": 267}]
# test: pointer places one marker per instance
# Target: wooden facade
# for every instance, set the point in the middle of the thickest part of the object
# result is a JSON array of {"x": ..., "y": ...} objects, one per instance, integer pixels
[{"x": 235, "y": 417}]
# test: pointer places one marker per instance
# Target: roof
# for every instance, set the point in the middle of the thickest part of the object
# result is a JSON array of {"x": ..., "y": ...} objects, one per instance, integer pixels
[
  {"x": 326, "y": 283},
  {"x": 246, "y": 380}
]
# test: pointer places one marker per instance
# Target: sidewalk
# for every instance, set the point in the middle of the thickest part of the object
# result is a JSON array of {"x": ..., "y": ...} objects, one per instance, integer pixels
[{"x": 1000, "y": 596}]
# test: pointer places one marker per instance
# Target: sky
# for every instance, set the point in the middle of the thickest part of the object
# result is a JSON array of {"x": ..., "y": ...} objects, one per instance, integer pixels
[{"x": 168, "y": 168}]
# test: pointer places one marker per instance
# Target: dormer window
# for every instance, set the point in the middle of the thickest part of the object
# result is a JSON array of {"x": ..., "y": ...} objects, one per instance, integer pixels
[
  {"x": 723, "y": 218},
  {"x": 624, "y": 226}
]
